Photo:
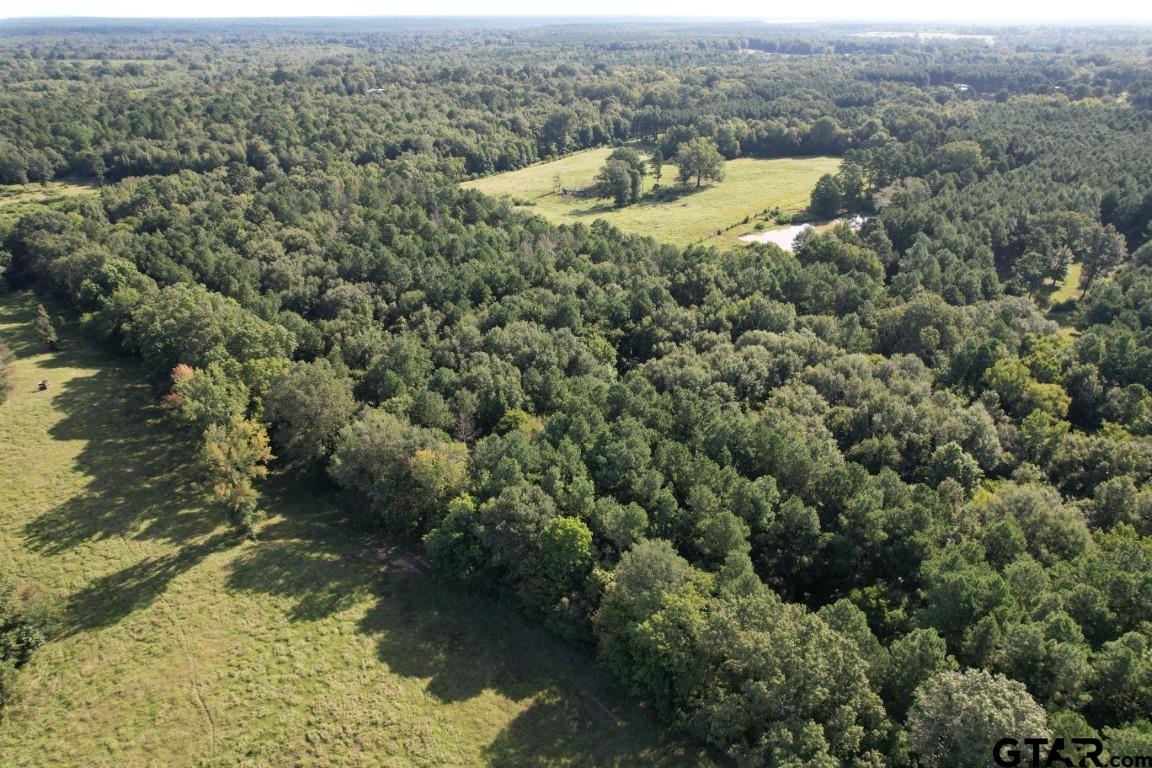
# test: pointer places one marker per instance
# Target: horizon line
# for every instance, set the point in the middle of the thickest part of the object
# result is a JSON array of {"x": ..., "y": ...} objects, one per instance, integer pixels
[{"x": 903, "y": 21}]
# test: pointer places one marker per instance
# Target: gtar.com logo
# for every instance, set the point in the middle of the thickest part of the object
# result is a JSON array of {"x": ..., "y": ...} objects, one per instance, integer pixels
[{"x": 1042, "y": 753}]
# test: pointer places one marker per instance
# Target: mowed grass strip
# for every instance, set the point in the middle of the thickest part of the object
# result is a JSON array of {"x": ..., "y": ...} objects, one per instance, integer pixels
[
  {"x": 750, "y": 186},
  {"x": 312, "y": 646}
]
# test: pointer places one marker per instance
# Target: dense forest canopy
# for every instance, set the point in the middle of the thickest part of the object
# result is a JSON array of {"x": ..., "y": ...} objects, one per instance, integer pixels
[{"x": 794, "y": 500}]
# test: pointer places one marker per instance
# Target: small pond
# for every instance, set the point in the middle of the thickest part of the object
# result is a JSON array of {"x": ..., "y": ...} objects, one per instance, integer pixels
[{"x": 784, "y": 237}]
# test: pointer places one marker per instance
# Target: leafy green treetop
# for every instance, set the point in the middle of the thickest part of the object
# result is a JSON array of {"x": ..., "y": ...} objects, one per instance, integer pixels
[
  {"x": 700, "y": 160},
  {"x": 957, "y": 717},
  {"x": 622, "y": 177}
]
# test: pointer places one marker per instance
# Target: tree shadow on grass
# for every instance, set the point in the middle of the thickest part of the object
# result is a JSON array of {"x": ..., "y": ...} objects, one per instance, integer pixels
[
  {"x": 307, "y": 554},
  {"x": 427, "y": 629},
  {"x": 670, "y": 193},
  {"x": 461, "y": 642},
  {"x": 16, "y": 313},
  {"x": 653, "y": 199},
  {"x": 108, "y": 599},
  {"x": 464, "y": 643},
  {"x": 458, "y": 643},
  {"x": 318, "y": 581},
  {"x": 137, "y": 464},
  {"x": 569, "y": 730},
  {"x": 596, "y": 209}
]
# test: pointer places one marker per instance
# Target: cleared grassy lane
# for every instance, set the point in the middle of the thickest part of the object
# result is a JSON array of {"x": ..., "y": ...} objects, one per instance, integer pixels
[{"x": 750, "y": 186}]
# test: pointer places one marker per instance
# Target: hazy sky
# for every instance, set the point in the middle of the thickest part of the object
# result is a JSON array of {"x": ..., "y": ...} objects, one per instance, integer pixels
[{"x": 961, "y": 10}]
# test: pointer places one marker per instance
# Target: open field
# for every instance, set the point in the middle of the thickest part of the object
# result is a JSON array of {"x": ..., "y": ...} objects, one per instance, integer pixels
[
  {"x": 750, "y": 187},
  {"x": 19, "y": 199},
  {"x": 183, "y": 646}
]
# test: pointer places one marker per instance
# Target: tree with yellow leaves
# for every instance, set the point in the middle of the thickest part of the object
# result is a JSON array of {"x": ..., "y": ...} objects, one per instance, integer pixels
[
  {"x": 441, "y": 473},
  {"x": 233, "y": 455}
]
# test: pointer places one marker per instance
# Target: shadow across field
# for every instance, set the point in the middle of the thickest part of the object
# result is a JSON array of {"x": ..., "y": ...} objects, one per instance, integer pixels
[
  {"x": 461, "y": 645},
  {"x": 458, "y": 643},
  {"x": 135, "y": 466},
  {"x": 304, "y": 557},
  {"x": 108, "y": 599},
  {"x": 655, "y": 198},
  {"x": 557, "y": 730},
  {"x": 16, "y": 313},
  {"x": 138, "y": 469}
]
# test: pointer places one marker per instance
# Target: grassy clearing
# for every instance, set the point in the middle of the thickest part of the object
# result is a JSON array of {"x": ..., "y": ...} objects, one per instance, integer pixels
[
  {"x": 19, "y": 199},
  {"x": 309, "y": 647},
  {"x": 1062, "y": 301},
  {"x": 1069, "y": 289},
  {"x": 750, "y": 186}
]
